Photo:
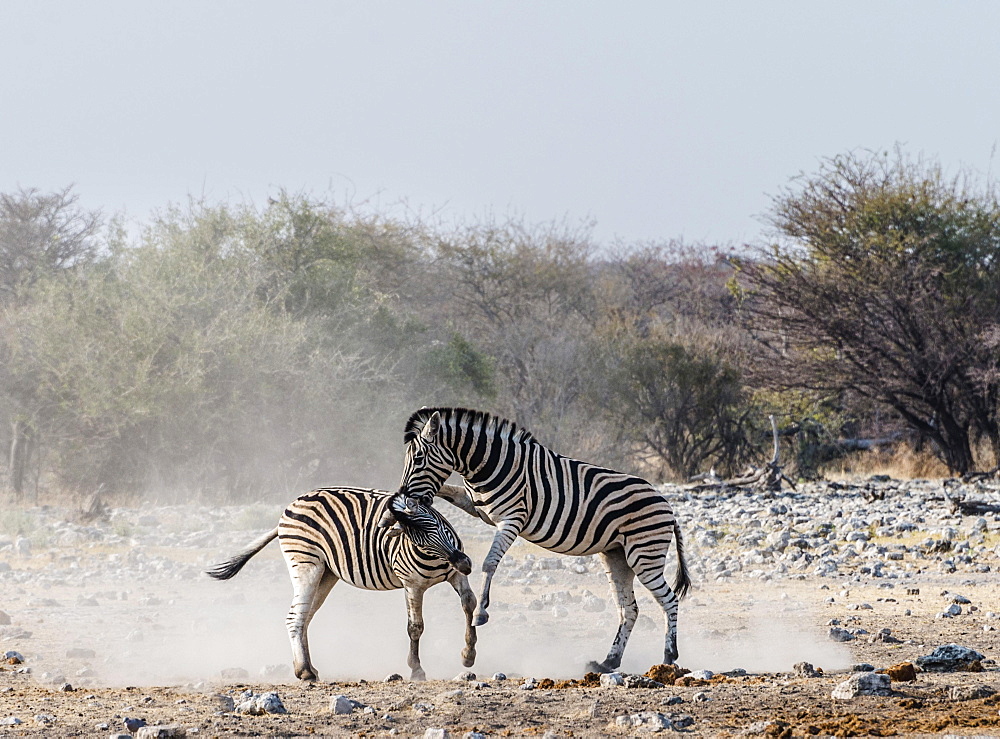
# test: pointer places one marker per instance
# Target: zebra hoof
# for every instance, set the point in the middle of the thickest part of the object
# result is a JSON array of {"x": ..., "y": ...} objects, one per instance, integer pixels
[
  {"x": 481, "y": 618},
  {"x": 468, "y": 658},
  {"x": 598, "y": 667},
  {"x": 418, "y": 676},
  {"x": 307, "y": 675}
]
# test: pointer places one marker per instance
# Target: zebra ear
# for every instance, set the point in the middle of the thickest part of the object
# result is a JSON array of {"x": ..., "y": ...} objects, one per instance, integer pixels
[
  {"x": 431, "y": 428},
  {"x": 388, "y": 519}
]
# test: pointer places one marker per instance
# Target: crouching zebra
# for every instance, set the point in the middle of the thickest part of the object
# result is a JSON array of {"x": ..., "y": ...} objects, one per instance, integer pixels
[
  {"x": 348, "y": 534},
  {"x": 561, "y": 504}
]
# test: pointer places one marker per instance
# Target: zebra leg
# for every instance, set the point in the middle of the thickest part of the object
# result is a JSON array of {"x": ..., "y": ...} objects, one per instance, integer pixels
[
  {"x": 620, "y": 577},
  {"x": 649, "y": 569},
  {"x": 311, "y": 583},
  {"x": 459, "y": 498},
  {"x": 507, "y": 532},
  {"x": 461, "y": 584},
  {"x": 415, "y": 627}
]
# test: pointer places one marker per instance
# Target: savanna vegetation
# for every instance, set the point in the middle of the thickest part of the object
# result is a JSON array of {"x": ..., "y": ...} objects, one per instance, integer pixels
[{"x": 244, "y": 351}]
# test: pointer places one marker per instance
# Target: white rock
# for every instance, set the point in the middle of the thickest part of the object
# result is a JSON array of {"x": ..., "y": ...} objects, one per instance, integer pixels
[
  {"x": 645, "y": 721},
  {"x": 341, "y": 705},
  {"x": 612, "y": 680},
  {"x": 862, "y": 683}
]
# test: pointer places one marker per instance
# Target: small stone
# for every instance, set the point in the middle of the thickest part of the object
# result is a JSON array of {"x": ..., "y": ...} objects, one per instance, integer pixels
[
  {"x": 970, "y": 692},
  {"x": 452, "y": 696},
  {"x": 435, "y": 733},
  {"x": 701, "y": 675},
  {"x": 701, "y": 697},
  {"x": 863, "y": 667},
  {"x": 258, "y": 704},
  {"x": 951, "y": 657},
  {"x": 10, "y": 721},
  {"x": 646, "y": 721},
  {"x": 883, "y": 636},
  {"x": 904, "y": 672},
  {"x": 393, "y": 678},
  {"x": 839, "y": 634},
  {"x": 466, "y": 677},
  {"x": 612, "y": 680},
  {"x": 473, "y": 735},
  {"x": 13, "y": 658},
  {"x": 529, "y": 683},
  {"x": 499, "y": 676},
  {"x": 862, "y": 683},
  {"x": 66, "y": 688},
  {"x": 673, "y": 700},
  {"x": 341, "y": 704},
  {"x": 640, "y": 681},
  {"x": 768, "y": 728},
  {"x": 163, "y": 731},
  {"x": 804, "y": 669},
  {"x": 682, "y": 720}
]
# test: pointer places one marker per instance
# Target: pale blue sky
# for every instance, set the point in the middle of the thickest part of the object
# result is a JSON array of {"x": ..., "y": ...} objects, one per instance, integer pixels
[{"x": 656, "y": 119}]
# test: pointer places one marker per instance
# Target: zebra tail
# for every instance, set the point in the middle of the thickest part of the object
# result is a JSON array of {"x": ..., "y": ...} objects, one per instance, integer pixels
[
  {"x": 682, "y": 584},
  {"x": 231, "y": 567}
]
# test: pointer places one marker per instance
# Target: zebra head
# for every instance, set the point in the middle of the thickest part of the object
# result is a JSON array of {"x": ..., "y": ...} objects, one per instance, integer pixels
[
  {"x": 427, "y": 530},
  {"x": 428, "y": 462}
]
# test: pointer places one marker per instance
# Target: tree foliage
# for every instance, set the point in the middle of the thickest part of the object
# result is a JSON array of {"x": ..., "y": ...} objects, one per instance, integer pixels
[{"x": 884, "y": 284}]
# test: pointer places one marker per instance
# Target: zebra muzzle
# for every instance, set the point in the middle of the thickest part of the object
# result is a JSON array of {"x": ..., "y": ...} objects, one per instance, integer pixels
[{"x": 461, "y": 562}]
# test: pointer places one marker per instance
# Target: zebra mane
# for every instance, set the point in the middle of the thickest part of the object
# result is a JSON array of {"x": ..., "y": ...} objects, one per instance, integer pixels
[{"x": 458, "y": 416}]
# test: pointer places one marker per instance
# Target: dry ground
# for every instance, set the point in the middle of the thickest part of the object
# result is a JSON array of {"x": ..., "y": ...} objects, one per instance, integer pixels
[
  {"x": 159, "y": 647},
  {"x": 732, "y": 623}
]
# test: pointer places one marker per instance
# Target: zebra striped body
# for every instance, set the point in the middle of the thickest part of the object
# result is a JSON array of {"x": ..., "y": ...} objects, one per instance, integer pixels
[
  {"x": 561, "y": 504},
  {"x": 334, "y": 534}
]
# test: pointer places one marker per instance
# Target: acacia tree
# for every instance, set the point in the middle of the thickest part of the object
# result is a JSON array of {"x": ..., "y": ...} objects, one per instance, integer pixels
[{"x": 885, "y": 283}]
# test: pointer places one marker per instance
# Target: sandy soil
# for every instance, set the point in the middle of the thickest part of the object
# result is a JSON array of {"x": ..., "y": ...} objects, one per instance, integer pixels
[{"x": 156, "y": 647}]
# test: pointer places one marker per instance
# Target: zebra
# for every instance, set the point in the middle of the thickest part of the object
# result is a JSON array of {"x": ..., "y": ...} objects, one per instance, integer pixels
[
  {"x": 374, "y": 540},
  {"x": 560, "y": 504}
]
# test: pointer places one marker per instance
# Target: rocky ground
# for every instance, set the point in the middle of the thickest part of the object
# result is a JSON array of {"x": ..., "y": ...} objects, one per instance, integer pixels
[{"x": 795, "y": 593}]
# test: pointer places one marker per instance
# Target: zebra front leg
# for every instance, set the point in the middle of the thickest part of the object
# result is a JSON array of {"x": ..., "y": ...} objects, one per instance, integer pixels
[
  {"x": 415, "y": 627},
  {"x": 507, "y": 532},
  {"x": 311, "y": 583},
  {"x": 461, "y": 584},
  {"x": 460, "y": 498},
  {"x": 620, "y": 577}
]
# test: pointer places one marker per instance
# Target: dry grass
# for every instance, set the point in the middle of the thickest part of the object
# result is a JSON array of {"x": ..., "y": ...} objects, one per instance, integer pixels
[{"x": 900, "y": 462}]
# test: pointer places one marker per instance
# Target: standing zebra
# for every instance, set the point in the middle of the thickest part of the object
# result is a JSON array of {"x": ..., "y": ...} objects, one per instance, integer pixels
[
  {"x": 561, "y": 504},
  {"x": 348, "y": 534}
]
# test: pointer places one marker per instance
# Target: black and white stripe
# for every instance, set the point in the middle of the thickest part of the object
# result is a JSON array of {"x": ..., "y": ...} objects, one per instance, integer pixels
[
  {"x": 561, "y": 504},
  {"x": 369, "y": 539}
]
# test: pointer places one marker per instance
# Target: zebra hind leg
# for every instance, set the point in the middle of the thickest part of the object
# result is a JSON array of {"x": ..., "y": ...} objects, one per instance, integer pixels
[
  {"x": 461, "y": 584},
  {"x": 415, "y": 627},
  {"x": 620, "y": 577},
  {"x": 649, "y": 569},
  {"x": 311, "y": 584}
]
